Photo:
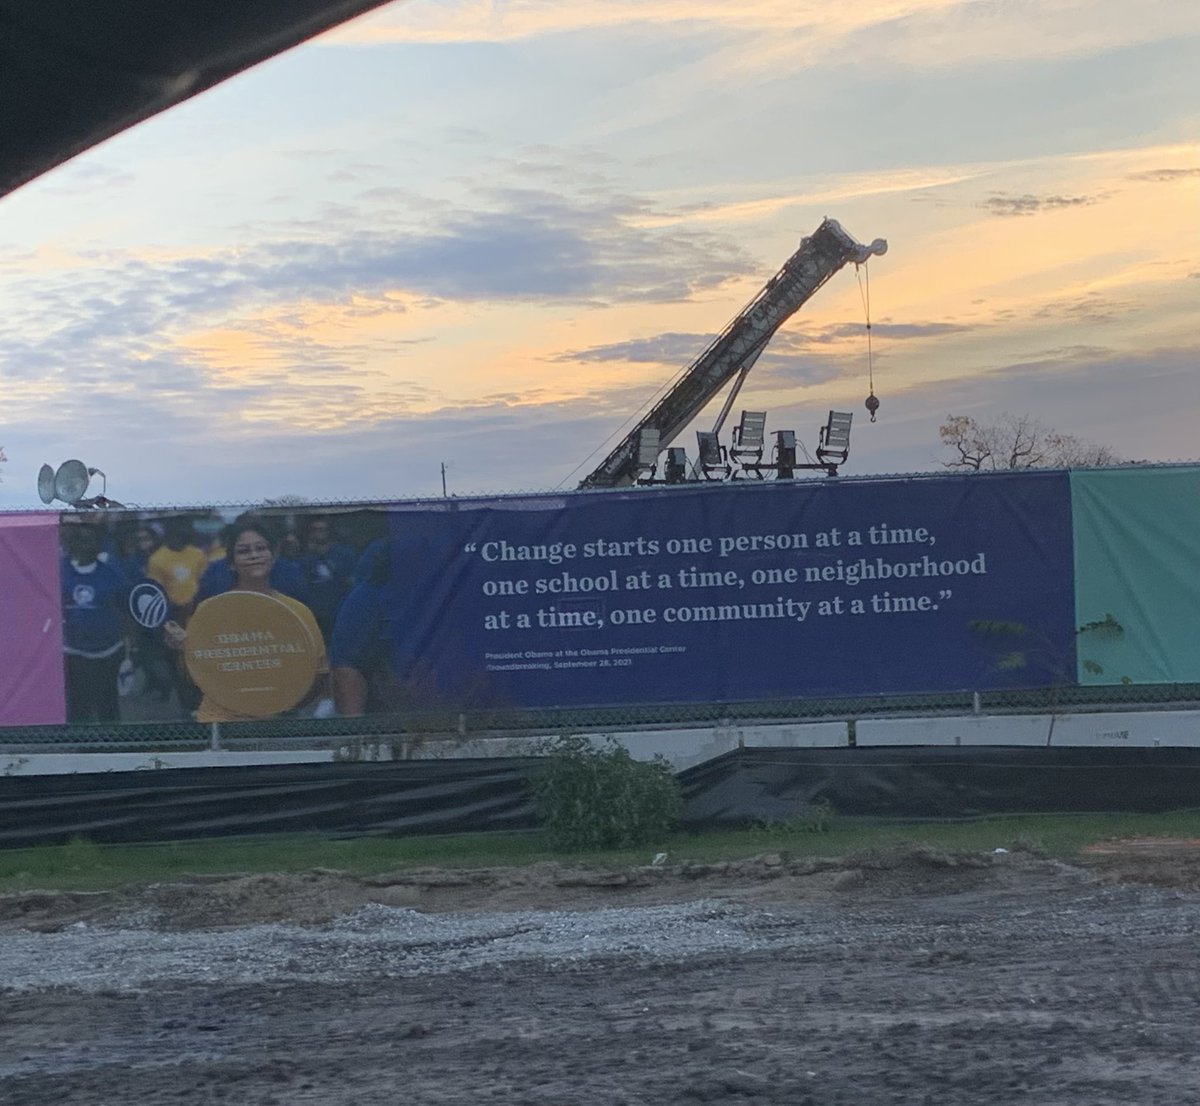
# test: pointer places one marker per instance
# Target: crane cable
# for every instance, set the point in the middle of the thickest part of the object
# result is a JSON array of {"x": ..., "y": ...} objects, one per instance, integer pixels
[{"x": 864, "y": 291}]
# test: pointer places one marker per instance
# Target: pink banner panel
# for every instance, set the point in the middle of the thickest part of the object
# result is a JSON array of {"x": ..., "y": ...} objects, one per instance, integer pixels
[{"x": 31, "y": 657}]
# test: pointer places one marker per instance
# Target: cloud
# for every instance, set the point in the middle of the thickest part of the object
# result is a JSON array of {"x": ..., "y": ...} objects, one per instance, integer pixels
[
  {"x": 308, "y": 331},
  {"x": 775, "y": 35},
  {"x": 1091, "y": 392},
  {"x": 1098, "y": 397},
  {"x": 1077, "y": 353},
  {"x": 1094, "y": 308},
  {"x": 894, "y": 332},
  {"x": 798, "y": 358},
  {"x": 1165, "y": 176},
  {"x": 1005, "y": 205},
  {"x": 660, "y": 349},
  {"x": 675, "y": 348},
  {"x": 204, "y": 444},
  {"x": 88, "y": 176},
  {"x": 531, "y": 245},
  {"x": 110, "y": 320},
  {"x": 516, "y": 20}
]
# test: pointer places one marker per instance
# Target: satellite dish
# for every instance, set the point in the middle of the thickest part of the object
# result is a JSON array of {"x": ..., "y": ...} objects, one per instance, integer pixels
[
  {"x": 46, "y": 484},
  {"x": 71, "y": 481}
]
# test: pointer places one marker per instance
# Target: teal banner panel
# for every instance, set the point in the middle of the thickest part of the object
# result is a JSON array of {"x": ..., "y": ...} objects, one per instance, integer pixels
[{"x": 1137, "y": 574}]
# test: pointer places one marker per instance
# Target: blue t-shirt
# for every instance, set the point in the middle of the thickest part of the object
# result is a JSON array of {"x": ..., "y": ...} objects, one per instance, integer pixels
[
  {"x": 361, "y": 632},
  {"x": 131, "y": 566},
  {"x": 93, "y": 603},
  {"x": 219, "y": 578},
  {"x": 327, "y": 577}
]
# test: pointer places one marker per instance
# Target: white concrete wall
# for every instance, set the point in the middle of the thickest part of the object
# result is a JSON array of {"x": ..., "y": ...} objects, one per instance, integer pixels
[
  {"x": 1117, "y": 729},
  {"x": 55, "y": 764},
  {"x": 682, "y": 748},
  {"x": 1121, "y": 729},
  {"x": 981, "y": 730}
]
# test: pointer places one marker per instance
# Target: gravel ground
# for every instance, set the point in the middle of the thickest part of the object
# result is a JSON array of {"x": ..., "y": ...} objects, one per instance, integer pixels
[{"x": 903, "y": 978}]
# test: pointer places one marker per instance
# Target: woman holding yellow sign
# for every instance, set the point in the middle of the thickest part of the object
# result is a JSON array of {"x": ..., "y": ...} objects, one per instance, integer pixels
[{"x": 253, "y": 651}]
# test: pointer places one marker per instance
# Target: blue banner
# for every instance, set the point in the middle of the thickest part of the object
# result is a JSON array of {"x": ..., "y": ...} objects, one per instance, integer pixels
[{"x": 733, "y": 592}]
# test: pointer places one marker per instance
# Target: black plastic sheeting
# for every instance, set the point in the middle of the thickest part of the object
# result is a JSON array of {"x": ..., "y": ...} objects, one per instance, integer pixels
[
  {"x": 460, "y": 796},
  {"x": 946, "y": 782},
  {"x": 399, "y": 798}
]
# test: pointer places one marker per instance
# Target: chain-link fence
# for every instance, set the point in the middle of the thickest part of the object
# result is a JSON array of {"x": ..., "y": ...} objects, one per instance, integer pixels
[
  {"x": 146, "y": 723},
  {"x": 449, "y": 725}
]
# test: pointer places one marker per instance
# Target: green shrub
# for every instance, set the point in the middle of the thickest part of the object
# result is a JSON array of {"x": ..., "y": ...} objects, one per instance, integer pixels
[{"x": 590, "y": 798}]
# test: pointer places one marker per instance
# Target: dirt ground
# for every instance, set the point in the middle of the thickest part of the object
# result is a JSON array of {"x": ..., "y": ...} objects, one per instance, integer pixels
[{"x": 905, "y": 977}]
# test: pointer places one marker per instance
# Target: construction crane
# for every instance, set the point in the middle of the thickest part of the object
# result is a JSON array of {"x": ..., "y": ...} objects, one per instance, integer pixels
[{"x": 733, "y": 352}]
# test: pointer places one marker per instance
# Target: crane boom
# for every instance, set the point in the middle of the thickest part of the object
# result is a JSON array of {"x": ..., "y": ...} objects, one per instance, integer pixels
[{"x": 820, "y": 256}]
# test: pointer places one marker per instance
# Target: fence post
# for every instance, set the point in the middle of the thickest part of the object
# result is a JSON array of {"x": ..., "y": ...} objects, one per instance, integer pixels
[{"x": 215, "y": 737}]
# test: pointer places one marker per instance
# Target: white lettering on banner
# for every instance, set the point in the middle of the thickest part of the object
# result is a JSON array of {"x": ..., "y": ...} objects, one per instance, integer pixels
[
  {"x": 566, "y": 584},
  {"x": 552, "y": 554},
  {"x": 736, "y": 612},
  {"x": 248, "y": 666},
  {"x": 800, "y": 567},
  {"x": 249, "y": 650},
  {"x": 762, "y": 543},
  {"x": 856, "y": 572}
]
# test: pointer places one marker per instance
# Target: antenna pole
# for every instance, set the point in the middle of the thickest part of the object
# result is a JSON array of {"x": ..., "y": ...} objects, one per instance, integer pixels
[{"x": 444, "y": 496}]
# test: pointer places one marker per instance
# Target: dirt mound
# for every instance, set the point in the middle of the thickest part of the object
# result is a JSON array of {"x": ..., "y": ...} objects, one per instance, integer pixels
[
  {"x": 905, "y": 976},
  {"x": 319, "y": 896},
  {"x": 1155, "y": 861}
]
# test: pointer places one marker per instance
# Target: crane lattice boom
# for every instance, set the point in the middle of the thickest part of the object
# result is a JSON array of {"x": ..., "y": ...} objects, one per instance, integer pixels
[{"x": 820, "y": 255}]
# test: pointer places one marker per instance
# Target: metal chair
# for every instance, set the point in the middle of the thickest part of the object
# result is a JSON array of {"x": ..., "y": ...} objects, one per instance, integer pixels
[
  {"x": 647, "y": 455},
  {"x": 835, "y": 441},
  {"x": 748, "y": 445},
  {"x": 714, "y": 463}
]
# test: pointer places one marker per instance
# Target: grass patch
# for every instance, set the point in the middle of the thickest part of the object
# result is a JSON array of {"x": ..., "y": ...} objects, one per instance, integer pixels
[{"x": 84, "y": 865}]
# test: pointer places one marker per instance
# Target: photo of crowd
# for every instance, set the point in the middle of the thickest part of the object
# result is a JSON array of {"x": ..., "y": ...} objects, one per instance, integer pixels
[{"x": 133, "y": 583}]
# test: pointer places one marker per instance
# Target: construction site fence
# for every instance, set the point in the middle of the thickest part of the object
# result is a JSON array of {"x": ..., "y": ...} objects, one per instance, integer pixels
[
  {"x": 449, "y": 724},
  {"x": 1044, "y": 592}
]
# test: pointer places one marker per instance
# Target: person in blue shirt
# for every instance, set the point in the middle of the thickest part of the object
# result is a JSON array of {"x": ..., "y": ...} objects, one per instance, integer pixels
[
  {"x": 136, "y": 546},
  {"x": 148, "y": 650},
  {"x": 328, "y": 572},
  {"x": 219, "y": 576},
  {"x": 94, "y": 598},
  {"x": 360, "y": 646}
]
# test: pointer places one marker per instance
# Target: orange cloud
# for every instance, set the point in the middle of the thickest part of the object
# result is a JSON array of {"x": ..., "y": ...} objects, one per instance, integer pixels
[{"x": 924, "y": 32}]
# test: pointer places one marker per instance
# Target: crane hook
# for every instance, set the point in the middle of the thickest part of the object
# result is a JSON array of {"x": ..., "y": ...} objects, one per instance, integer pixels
[{"x": 872, "y": 404}]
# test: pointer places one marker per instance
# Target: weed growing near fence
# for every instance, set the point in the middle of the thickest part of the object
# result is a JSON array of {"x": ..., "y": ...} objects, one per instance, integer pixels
[
  {"x": 590, "y": 798},
  {"x": 814, "y": 817}
]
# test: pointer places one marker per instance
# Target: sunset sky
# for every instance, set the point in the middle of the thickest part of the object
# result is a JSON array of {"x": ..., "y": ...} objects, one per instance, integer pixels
[{"x": 488, "y": 233}]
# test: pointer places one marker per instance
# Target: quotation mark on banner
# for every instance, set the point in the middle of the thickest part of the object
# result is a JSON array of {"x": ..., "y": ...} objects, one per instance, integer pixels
[
  {"x": 945, "y": 593},
  {"x": 470, "y": 547}
]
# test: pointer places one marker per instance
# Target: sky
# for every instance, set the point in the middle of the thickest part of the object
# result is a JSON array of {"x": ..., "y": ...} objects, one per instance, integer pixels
[{"x": 486, "y": 234}]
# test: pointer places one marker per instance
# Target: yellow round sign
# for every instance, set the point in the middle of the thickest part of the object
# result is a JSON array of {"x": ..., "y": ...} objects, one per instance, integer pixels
[{"x": 251, "y": 653}]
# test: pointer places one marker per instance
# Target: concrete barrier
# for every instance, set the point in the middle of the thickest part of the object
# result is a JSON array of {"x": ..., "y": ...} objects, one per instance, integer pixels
[
  {"x": 58, "y": 764},
  {"x": 681, "y": 748},
  {"x": 1114, "y": 729}
]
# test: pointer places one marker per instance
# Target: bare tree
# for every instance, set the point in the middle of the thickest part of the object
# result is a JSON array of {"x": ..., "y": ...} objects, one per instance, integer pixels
[{"x": 1017, "y": 442}]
